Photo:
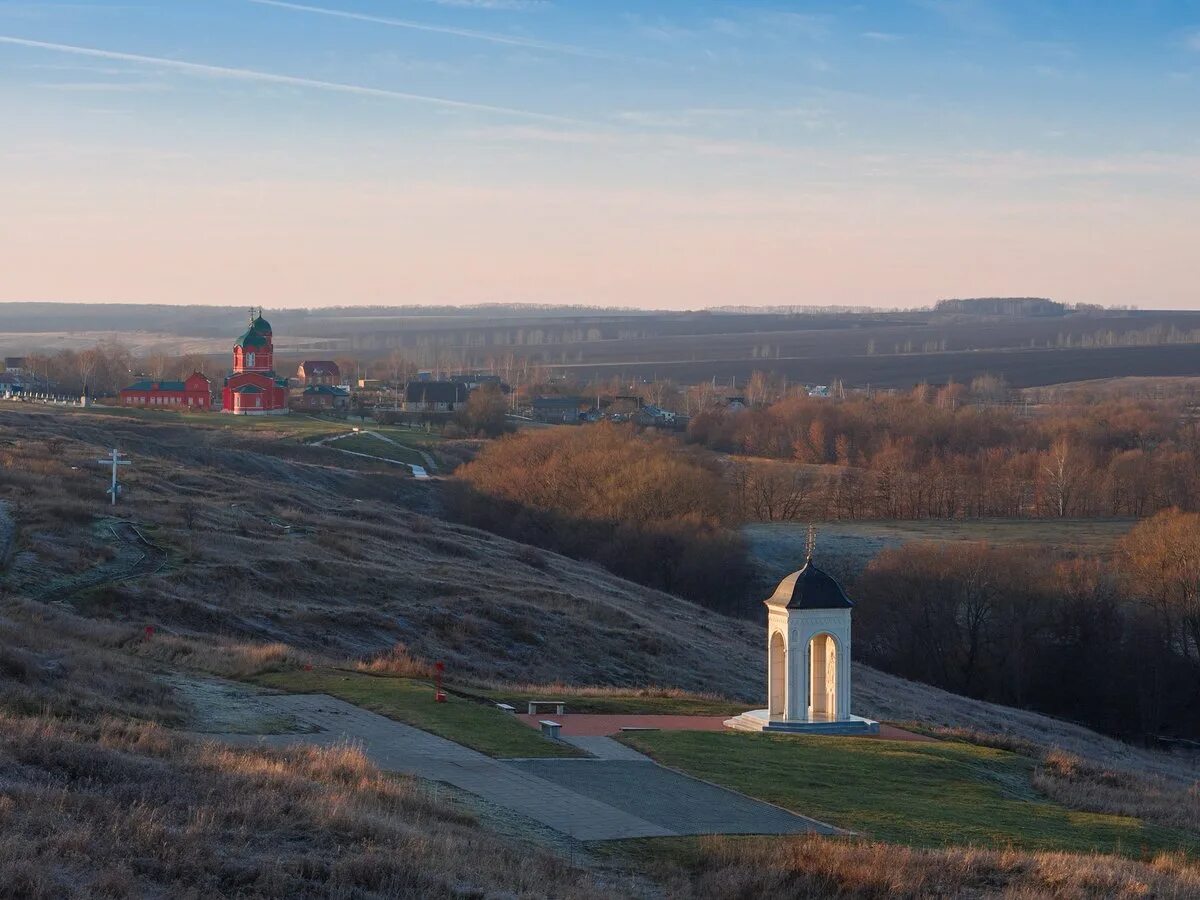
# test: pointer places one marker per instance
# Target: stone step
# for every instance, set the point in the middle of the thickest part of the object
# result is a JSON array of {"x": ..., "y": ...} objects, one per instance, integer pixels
[{"x": 756, "y": 723}]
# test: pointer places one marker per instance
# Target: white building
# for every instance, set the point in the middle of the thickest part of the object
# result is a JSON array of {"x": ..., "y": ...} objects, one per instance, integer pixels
[{"x": 808, "y": 659}]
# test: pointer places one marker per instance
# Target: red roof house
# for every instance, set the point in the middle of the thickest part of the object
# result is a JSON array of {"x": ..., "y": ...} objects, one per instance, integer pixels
[{"x": 193, "y": 393}]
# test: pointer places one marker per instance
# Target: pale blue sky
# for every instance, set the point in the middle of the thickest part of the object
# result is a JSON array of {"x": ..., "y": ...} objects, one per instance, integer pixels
[{"x": 675, "y": 154}]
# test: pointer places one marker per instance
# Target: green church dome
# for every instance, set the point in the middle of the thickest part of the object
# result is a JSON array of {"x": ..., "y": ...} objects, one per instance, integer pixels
[{"x": 257, "y": 335}]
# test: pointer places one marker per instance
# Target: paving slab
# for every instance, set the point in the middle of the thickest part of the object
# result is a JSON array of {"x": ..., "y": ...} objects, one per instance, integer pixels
[
  {"x": 606, "y": 748},
  {"x": 675, "y": 801}
]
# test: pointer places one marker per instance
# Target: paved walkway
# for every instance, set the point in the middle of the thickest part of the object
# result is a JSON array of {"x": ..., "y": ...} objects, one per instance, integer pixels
[
  {"x": 669, "y": 799},
  {"x": 606, "y": 748},
  {"x": 620, "y": 795}
]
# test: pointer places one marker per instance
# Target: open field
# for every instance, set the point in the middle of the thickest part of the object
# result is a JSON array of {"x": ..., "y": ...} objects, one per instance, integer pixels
[
  {"x": 480, "y": 726},
  {"x": 883, "y": 349},
  {"x": 921, "y": 795},
  {"x": 1020, "y": 368},
  {"x": 849, "y": 546}
]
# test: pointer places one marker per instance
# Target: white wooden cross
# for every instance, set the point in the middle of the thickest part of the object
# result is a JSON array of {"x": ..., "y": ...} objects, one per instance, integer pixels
[{"x": 114, "y": 461}]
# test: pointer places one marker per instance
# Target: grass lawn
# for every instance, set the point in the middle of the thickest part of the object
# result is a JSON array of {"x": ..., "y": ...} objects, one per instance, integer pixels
[
  {"x": 415, "y": 437},
  {"x": 924, "y": 795},
  {"x": 296, "y": 425},
  {"x": 581, "y": 700},
  {"x": 779, "y": 545},
  {"x": 475, "y": 725},
  {"x": 373, "y": 446}
]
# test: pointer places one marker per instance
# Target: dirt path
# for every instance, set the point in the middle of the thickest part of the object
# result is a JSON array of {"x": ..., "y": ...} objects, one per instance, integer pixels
[
  {"x": 419, "y": 472},
  {"x": 137, "y": 557},
  {"x": 430, "y": 462}
]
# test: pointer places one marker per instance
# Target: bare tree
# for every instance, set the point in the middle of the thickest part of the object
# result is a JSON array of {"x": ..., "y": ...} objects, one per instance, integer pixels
[{"x": 1062, "y": 476}]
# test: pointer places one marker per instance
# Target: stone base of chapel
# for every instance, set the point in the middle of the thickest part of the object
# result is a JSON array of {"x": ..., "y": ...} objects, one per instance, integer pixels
[{"x": 758, "y": 720}]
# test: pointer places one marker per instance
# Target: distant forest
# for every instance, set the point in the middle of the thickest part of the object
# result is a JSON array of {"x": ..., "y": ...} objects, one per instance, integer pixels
[
  {"x": 1003, "y": 306},
  {"x": 957, "y": 451}
]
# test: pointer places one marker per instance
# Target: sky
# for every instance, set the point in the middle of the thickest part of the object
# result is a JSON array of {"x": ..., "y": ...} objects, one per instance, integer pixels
[{"x": 674, "y": 154}]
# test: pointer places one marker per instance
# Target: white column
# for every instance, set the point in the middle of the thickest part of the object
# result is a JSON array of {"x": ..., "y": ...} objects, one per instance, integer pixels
[
  {"x": 844, "y": 678},
  {"x": 801, "y": 675}
]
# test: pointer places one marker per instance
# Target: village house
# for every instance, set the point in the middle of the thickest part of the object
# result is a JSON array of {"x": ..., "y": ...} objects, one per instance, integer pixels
[
  {"x": 475, "y": 380},
  {"x": 318, "y": 371},
  {"x": 194, "y": 393},
  {"x": 322, "y": 398},
  {"x": 558, "y": 409},
  {"x": 253, "y": 389},
  {"x": 434, "y": 396}
]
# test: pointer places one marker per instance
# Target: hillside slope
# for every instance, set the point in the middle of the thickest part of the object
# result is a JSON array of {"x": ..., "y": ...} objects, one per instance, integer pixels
[{"x": 273, "y": 540}]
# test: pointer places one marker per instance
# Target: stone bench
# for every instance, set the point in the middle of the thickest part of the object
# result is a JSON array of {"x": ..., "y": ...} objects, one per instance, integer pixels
[
  {"x": 558, "y": 705},
  {"x": 550, "y": 729},
  {"x": 506, "y": 707}
]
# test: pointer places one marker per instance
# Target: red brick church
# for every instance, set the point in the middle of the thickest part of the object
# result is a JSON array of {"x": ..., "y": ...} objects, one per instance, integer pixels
[{"x": 253, "y": 389}]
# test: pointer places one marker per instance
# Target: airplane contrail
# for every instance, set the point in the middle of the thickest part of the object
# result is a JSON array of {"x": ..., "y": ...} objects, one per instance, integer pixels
[
  {"x": 493, "y": 37},
  {"x": 211, "y": 71}
]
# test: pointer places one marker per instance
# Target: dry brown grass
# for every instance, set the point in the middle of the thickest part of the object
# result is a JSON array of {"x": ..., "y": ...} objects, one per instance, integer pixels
[
  {"x": 129, "y": 809},
  {"x": 58, "y": 664},
  {"x": 569, "y": 690},
  {"x": 1076, "y": 783},
  {"x": 226, "y": 657},
  {"x": 891, "y": 699},
  {"x": 120, "y": 809},
  {"x": 810, "y": 867},
  {"x": 372, "y": 566},
  {"x": 397, "y": 661}
]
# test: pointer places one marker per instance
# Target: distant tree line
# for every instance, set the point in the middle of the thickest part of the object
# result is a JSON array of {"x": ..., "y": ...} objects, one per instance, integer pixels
[
  {"x": 1113, "y": 643},
  {"x": 1002, "y": 306},
  {"x": 945, "y": 453},
  {"x": 109, "y": 366}
]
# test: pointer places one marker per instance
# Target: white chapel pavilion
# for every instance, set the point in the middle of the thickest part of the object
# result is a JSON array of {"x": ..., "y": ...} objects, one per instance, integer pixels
[{"x": 808, "y": 660}]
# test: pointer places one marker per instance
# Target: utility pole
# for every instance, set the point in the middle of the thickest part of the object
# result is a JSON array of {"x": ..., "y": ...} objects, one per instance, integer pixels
[{"x": 114, "y": 461}]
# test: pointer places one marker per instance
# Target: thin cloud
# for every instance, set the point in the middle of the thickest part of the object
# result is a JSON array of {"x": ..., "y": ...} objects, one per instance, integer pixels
[
  {"x": 495, "y": 4},
  {"x": 491, "y": 37},
  {"x": 254, "y": 75}
]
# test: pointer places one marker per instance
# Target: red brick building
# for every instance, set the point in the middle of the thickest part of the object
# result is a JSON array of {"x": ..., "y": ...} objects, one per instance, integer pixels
[
  {"x": 253, "y": 389},
  {"x": 193, "y": 393}
]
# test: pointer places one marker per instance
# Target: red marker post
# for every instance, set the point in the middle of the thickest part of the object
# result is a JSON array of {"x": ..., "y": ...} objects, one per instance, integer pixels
[{"x": 439, "y": 670}]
